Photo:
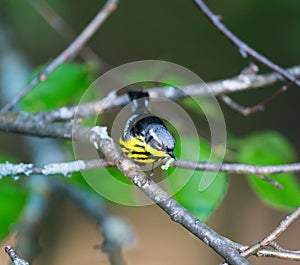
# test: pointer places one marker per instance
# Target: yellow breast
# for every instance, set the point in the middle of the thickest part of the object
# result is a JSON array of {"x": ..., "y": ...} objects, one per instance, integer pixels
[{"x": 138, "y": 150}]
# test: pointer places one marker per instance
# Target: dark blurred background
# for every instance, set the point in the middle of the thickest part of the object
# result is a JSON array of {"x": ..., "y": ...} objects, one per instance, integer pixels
[{"x": 178, "y": 32}]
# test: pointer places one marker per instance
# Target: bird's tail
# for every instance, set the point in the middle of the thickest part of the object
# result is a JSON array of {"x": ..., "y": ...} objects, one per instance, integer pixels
[{"x": 140, "y": 101}]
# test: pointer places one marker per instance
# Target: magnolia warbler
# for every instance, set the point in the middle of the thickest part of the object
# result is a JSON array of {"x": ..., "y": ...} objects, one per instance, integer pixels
[{"x": 145, "y": 138}]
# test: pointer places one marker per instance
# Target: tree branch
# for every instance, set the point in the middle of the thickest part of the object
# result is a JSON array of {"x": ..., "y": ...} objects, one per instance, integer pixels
[
  {"x": 278, "y": 252},
  {"x": 242, "y": 46},
  {"x": 69, "y": 53},
  {"x": 98, "y": 137},
  {"x": 220, "y": 87},
  {"x": 66, "y": 168},
  {"x": 26, "y": 123},
  {"x": 271, "y": 253}
]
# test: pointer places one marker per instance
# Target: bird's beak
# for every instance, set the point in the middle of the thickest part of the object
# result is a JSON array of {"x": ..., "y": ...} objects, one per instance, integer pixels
[{"x": 171, "y": 154}]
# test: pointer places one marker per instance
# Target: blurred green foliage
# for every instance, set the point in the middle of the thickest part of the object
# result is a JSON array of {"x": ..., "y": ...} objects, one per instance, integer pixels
[
  {"x": 12, "y": 198},
  {"x": 63, "y": 87},
  {"x": 201, "y": 203},
  {"x": 112, "y": 185},
  {"x": 271, "y": 148}
]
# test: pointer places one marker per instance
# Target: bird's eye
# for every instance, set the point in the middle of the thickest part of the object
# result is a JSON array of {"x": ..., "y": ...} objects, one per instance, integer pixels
[{"x": 159, "y": 145}]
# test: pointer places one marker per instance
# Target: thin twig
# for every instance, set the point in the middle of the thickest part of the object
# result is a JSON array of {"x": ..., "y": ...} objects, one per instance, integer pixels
[
  {"x": 263, "y": 103},
  {"x": 251, "y": 70},
  {"x": 274, "y": 182},
  {"x": 259, "y": 107},
  {"x": 276, "y": 246},
  {"x": 239, "y": 108},
  {"x": 69, "y": 53},
  {"x": 271, "y": 253},
  {"x": 239, "y": 168},
  {"x": 242, "y": 46},
  {"x": 274, "y": 234}
]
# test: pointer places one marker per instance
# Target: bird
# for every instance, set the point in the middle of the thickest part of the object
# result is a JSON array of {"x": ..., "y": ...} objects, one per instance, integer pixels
[{"x": 145, "y": 138}]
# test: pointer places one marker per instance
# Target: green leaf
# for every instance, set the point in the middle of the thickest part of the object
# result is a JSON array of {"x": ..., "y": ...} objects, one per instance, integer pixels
[
  {"x": 63, "y": 87},
  {"x": 12, "y": 199},
  {"x": 271, "y": 148},
  {"x": 173, "y": 80},
  {"x": 12, "y": 202},
  {"x": 111, "y": 184},
  {"x": 200, "y": 202},
  {"x": 202, "y": 106}
]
